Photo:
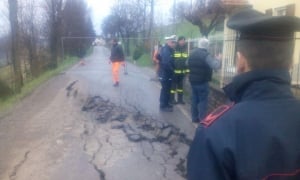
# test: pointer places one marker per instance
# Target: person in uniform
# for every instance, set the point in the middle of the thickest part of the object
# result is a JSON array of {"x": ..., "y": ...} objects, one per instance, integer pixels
[
  {"x": 180, "y": 58},
  {"x": 256, "y": 137},
  {"x": 166, "y": 72}
]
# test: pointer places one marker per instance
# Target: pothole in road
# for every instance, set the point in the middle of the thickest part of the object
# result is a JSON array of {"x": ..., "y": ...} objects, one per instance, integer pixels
[{"x": 139, "y": 128}]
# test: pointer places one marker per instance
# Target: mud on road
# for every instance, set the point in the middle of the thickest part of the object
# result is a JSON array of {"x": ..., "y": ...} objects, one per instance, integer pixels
[{"x": 125, "y": 144}]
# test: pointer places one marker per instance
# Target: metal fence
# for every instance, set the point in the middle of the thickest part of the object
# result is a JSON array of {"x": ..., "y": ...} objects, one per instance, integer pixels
[{"x": 227, "y": 48}]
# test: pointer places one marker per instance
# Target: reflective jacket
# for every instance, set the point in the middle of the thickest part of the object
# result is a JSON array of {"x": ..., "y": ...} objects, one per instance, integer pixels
[
  {"x": 255, "y": 139},
  {"x": 180, "y": 58}
]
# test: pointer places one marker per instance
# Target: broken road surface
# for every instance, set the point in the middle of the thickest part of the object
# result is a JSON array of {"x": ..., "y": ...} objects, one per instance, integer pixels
[{"x": 78, "y": 126}]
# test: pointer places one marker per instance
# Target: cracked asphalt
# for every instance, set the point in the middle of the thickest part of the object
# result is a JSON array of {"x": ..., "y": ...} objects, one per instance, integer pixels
[{"x": 77, "y": 126}]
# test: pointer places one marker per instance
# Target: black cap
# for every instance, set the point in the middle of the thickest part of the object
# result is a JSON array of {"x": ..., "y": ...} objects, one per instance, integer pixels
[{"x": 255, "y": 25}]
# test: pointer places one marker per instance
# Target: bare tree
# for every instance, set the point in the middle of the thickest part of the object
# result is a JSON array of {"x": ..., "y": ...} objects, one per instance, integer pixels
[
  {"x": 127, "y": 20},
  {"x": 151, "y": 18},
  {"x": 30, "y": 34},
  {"x": 54, "y": 9},
  {"x": 206, "y": 14},
  {"x": 78, "y": 23},
  {"x": 14, "y": 25}
]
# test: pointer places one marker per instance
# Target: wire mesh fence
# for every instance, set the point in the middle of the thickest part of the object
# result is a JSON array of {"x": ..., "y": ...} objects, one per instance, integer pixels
[
  {"x": 227, "y": 48},
  {"x": 140, "y": 50}
]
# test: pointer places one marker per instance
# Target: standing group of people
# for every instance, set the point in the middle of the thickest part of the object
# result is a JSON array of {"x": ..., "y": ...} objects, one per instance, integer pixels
[
  {"x": 257, "y": 136},
  {"x": 174, "y": 64}
]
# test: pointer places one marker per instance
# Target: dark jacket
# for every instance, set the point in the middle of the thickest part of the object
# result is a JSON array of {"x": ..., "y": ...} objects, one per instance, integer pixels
[
  {"x": 166, "y": 64},
  {"x": 180, "y": 58},
  {"x": 256, "y": 139},
  {"x": 117, "y": 53},
  {"x": 200, "y": 71}
]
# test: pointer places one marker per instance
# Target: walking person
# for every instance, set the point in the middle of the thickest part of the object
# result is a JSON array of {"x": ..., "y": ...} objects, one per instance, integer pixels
[
  {"x": 201, "y": 65},
  {"x": 166, "y": 72},
  {"x": 180, "y": 70},
  {"x": 117, "y": 60},
  {"x": 256, "y": 137}
]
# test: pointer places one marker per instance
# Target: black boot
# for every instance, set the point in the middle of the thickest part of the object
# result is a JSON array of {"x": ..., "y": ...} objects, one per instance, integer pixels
[{"x": 180, "y": 99}]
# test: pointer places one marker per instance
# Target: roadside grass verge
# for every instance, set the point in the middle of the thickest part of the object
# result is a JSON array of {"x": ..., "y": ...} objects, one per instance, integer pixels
[
  {"x": 9, "y": 102},
  {"x": 145, "y": 61}
]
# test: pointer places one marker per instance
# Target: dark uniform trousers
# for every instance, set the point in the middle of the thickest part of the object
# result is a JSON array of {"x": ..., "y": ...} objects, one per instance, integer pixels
[
  {"x": 166, "y": 72},
  {"x": 165, "y": 91},
  {"x": 179, "y": 74}
]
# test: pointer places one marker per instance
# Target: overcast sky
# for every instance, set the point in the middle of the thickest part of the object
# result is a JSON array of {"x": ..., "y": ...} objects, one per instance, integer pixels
[
  {"x": 3, "y": 17},
  {"x": 101, "y": 8}
]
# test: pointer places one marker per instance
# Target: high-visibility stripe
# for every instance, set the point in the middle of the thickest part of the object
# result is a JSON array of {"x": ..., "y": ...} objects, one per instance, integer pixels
[
  {"x": 181, "y": 71},
  {"x": 177, "y": 55},
  {"x": 180, "y": 90},
  {"x": 178, "y": 71},
  {"x": 173, "y": 91},
  {"x": 180, "y": 55}
]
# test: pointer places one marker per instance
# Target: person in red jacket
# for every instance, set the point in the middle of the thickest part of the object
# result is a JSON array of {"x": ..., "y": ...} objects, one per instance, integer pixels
[{"x": 117, "y": 60}]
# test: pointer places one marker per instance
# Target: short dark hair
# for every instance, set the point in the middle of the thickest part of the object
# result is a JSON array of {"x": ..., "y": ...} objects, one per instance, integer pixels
[
  {"x": 267, "y": 54},
  {"x": 181, "y": 38}
]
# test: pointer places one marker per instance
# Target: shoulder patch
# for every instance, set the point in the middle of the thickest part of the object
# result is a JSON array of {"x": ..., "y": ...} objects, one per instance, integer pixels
[{"x": 212, "y": 117}]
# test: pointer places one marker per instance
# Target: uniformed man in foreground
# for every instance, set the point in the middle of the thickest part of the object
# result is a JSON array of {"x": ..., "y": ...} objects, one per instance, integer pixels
[{"x": 257, "y": 138}]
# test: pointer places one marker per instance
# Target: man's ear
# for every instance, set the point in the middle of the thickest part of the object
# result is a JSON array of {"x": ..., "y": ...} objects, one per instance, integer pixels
[{"x": 241, "y": 63}]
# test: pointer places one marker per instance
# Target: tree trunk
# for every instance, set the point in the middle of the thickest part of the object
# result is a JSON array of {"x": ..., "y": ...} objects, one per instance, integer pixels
[
  {"x": 53, "y": 45},
  {"x": 56, "y": 30},
  {"x": 203, "y": 31},
  {"x": 13, "y": 17},
  {"x": 34, "y": 69},
  {"x": 127, "y": 48},
  {"x": 151, "y": 19}
]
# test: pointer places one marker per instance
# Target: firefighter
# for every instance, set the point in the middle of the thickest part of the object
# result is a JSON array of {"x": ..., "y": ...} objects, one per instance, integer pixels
[
  {"x": 117, "y": 60},
  {"x": 180, "y": 69},
  {"x": 257, "y": 136},
  {"x": 166, "y": 72}
]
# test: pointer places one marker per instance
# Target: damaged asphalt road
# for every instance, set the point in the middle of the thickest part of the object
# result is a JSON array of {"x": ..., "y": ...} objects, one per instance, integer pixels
[
  {"x": 77, "y": 126},
  {"x": 118, "y": 138}
]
